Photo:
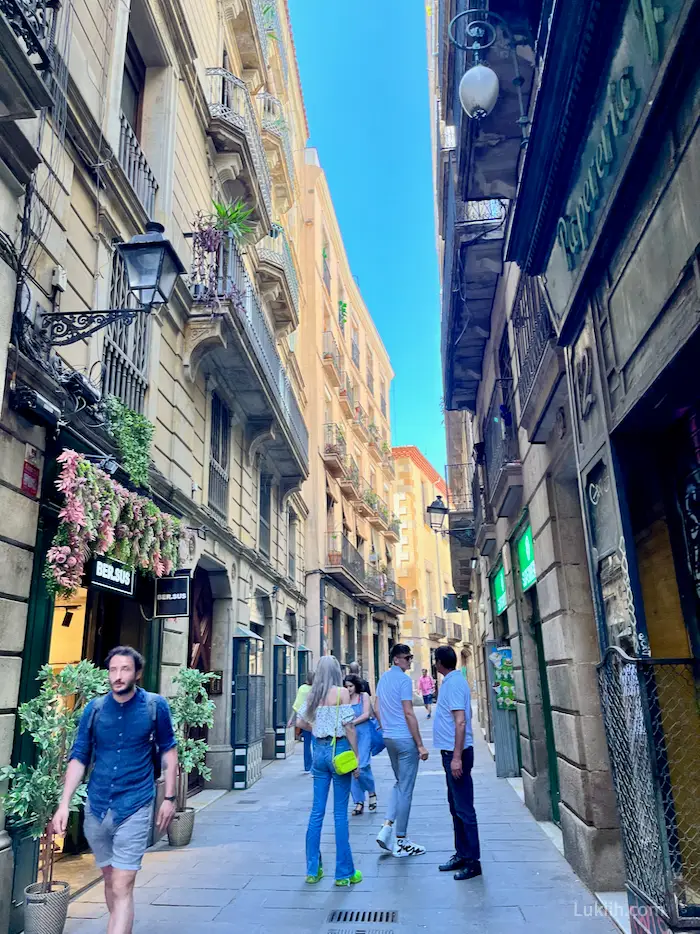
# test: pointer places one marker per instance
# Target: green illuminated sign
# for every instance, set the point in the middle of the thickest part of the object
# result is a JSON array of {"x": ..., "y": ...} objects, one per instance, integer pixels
[
  {"x": 526, "y": 559},
  {"x": 499, "y": 591}
]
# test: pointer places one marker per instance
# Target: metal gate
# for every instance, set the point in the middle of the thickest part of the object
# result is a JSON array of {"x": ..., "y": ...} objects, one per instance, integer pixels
[{"x": 652, "y": 722}]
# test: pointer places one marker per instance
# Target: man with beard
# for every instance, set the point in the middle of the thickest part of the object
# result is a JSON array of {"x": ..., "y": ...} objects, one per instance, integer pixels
[{"x": 123, "y": 735}]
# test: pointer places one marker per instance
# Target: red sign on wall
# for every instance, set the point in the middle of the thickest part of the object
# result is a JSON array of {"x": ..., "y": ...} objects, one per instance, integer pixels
[{"x": 30, "y": 479}]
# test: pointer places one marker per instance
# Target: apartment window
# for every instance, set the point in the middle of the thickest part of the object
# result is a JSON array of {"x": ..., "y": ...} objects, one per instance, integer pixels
[
  {"x": 219, "y": 454},
  {"x": 133, "y": 85},
  {"x": 370, "y": 371},
  {"x": 265, "y": 512},
  {"x": 125, "y": 353},
  {"x": 373, "y": 479},
  {"x": 326, "y": 262},
  {"x": 292, "y": 544},
  {"x": 382, "y": 397},
  {"x": 356, "y": 347},
  {"x": 131, "y": 156}
]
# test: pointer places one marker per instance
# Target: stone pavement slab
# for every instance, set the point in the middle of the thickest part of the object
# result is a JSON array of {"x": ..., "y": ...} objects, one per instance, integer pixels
[{"x": 244, "y": 870}]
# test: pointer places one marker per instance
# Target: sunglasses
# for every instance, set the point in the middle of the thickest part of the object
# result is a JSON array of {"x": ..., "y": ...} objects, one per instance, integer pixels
[{"x": 408, "y": 658}]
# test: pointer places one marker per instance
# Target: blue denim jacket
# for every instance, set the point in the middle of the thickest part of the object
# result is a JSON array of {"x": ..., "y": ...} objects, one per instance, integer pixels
[{"x": 122, "y": 776}]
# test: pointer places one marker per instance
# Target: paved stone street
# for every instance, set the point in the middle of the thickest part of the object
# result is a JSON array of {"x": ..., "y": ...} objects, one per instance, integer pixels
[{"x": 244, "y": 871}]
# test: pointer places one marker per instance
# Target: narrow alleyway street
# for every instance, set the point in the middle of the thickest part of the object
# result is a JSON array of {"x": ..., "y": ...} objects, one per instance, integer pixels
[{"x": 244, "y": 871}]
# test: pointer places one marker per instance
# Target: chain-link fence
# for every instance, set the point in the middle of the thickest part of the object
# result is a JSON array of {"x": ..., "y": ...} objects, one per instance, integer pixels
[{"x": 651, "y": 710}]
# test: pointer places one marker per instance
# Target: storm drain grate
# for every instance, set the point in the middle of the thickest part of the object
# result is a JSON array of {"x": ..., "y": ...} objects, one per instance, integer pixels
[{"x": 347, "y": 916}]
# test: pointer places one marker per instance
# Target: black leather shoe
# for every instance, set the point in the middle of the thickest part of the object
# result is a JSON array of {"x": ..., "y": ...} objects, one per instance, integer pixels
[
  {"x": 454, "y": 862},
  {"x": 470, "y": 871}
]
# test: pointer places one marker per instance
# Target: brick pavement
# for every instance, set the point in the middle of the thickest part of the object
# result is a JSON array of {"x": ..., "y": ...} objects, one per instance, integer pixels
[{"x": 244, "y": 870}]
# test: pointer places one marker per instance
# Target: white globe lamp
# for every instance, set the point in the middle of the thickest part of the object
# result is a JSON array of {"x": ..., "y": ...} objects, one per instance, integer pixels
[{"x": 478, "y": 91}]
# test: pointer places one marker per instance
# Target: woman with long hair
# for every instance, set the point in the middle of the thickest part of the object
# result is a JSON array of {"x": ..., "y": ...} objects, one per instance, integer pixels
[
  {"x": 329, "y": 716},
  {"x": 363, "y": 710}
]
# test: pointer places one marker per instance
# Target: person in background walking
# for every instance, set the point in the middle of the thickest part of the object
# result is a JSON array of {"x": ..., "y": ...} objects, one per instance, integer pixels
[
  {"x": 362, "y": 708},
  {"x": 306, "y": 736},
  {"x": 354, "y": 669},
  {"x": 328, "y": 714},
  {"x": 426, "y": 686},
  {"x": 405, "y": 747},
  {"x": 120, "y": 733},
  {"x": 452, "y": 735}
]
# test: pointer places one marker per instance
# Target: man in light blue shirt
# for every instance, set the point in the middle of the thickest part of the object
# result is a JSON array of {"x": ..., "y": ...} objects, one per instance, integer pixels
[
  {"x": 394, "y": 709},
  {"x": 452, "y": 735}
]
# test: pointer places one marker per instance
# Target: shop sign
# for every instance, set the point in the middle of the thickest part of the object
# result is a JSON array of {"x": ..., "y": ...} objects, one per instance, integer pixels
[
  {"x": 172, "y": 597},
  {"x": 500, "y": 597},
  {"x": 526, "y": 559},
  {"x": 106, "y": 574},
  {"x": 504, "y": 679}
]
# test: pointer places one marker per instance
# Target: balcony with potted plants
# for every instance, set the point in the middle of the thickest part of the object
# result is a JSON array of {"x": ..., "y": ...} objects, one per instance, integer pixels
[
  {"x": 277, "y": 274},
  {"x": 379, "y": 516},
  {"x": 360, "y": 423},
  {"x": 393, "y": 533},
  {"x": 240, "y": 158},
  {"x": 349, "y": 479},
  {"x": 278, "y": 147},
  {"x": 375, "y": 443},
  {"x": 238, "y": 345},
  {"x": 388, "y": 465},
  {"x": 331, "y": 359},
  {"x": 344, "y": 563},
  {"x": 347, "y": 395},
  {"x": 334, "y": 449},
  {"x": 365, "y": 504}
]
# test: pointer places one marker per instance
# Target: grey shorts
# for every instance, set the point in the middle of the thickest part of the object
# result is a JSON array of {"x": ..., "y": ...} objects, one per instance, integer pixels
[{"x": 120, "y": 846}]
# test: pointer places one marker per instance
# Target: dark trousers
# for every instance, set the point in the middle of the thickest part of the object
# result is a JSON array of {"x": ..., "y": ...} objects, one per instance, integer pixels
[{"x": 460, "y": 795}]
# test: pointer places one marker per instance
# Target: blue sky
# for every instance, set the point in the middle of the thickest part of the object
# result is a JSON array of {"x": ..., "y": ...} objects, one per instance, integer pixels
[{"x": 363, "y": 68}]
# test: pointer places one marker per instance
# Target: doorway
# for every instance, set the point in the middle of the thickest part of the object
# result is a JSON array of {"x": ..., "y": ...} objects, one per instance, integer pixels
[
  {"x": 552, "y": 766},
  {"x": 199, "y": 652}
]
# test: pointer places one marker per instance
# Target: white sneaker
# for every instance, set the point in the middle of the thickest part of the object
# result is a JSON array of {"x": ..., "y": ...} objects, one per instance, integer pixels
[
  {"x": 404, "y": 847},
  {"x": 384, "y": 837}
]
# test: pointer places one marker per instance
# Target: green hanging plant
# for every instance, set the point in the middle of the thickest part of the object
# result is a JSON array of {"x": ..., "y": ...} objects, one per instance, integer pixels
[
  {"x": 342, "y": 312},
  {"x": 268, "y": 14},
  {"x": 324, "y": 253},
  {"x": 133, "y": 434},
  {"x": 232, "y": 217}
]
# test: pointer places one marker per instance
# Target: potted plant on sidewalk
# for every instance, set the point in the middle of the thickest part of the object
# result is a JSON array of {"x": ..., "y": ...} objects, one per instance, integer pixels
[
  {"x": 51, "y": 719},
  {"x": 190, "y": 709}
]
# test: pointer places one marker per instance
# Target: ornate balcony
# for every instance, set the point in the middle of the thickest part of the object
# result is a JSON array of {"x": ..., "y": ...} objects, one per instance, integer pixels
[
  {"x": 26, "y": 35},
  {"x": 504, "y": 471},
  {"x": 393, "y": 533},
  {"x": 347, "y": 395},
  {"x": 136, "y": 167},
  {"x": 388, "y": 465},
  {"x": 344, "y": 563},
  {"x": 365, "y": 505},
  {"x": 438, "y": 628},
  {"x": 331, "y": 358},
  {"x": 461, "y": 520},
  {"x": 360, "y": 423},
  {"x": 484, "y": 526},
  {"x": 375, "y": 443},
  {"x": 542, "y": 381},
  {"x": 393, "y": 595},
  {"x": 278, "y": 146},
  {"x": 240, "y": 161},
  {"x": 334, "y": 449},
  {"x": 379, "y": 516},
  {"x": 238, "y": 346},
  {"x": 278, "y": 279},
  {"x": 349, "y": 479},
  {"x": 252, "y": 27}
]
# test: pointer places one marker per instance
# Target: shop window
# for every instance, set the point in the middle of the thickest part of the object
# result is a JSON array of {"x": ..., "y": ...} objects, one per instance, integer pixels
[
  {"x": 265, "y": 513},
  {"x": 219, "y": 455},
  {"x": 125, "y": 352}
]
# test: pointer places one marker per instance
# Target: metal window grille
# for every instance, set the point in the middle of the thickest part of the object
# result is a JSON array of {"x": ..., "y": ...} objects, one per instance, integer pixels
[
  {"x": 533, "y": 330},
  {"x": 219, "y": 456},
  {"x": 125, "y": 353},
  {"x": 136, "y": 167},
  {"x": 356, "y": 351}
]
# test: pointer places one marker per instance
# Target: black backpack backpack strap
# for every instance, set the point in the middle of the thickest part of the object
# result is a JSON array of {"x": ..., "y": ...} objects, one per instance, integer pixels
[
  {"x": 152, "y": 701},
  {"x": 97, "y": 705}
]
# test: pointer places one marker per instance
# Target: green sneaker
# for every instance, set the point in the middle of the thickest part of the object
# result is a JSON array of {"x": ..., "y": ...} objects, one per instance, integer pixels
[
  {"x": 312, "y": 880},
  {"x": 353, "y": 880}
]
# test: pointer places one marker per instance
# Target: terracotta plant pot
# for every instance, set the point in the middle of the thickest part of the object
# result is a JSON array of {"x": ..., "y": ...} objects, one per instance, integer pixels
[
  {"x": 181, "y": 827},
  {"x": 335, "y": 558},
  {"x": 45, "y": 912}
]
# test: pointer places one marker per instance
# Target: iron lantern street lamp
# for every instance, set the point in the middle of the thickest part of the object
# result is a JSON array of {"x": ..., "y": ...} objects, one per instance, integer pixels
[
  {"x": 437, "y": 511},
  {"x": 152, "y": 269}
]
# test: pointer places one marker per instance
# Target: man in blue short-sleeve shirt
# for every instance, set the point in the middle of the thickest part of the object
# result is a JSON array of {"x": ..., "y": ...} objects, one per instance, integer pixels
[
  {"x": 119, "y": 734},
  {"x": 403, "y": 742},
  {"x": 452, "y": 735}
]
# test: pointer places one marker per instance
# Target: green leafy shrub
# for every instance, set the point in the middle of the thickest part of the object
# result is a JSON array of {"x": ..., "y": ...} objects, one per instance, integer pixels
[
  {"x": 133, "y": 434},
  {"x": 191, "y": 707}
]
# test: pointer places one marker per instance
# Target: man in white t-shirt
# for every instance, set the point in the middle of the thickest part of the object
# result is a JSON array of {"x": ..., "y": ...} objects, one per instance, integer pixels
[{"x": 394, "y": 707}]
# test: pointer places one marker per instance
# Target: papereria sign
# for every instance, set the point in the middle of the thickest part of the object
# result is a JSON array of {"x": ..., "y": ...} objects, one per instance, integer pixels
[
  {"x": 573, "y": 229},
  {"x": 526, "y": 559}
]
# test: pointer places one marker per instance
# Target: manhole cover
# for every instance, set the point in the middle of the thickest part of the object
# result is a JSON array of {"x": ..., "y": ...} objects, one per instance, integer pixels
[{"x": 355, "y": 916}]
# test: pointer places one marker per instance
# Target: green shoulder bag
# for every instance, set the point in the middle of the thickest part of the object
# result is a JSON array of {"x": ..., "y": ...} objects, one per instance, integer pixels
[{"x": 343, "y": 762}]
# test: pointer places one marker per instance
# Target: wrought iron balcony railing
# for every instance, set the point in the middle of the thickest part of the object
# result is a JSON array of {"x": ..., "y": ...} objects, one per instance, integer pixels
[
  {"x": 355, "y": 353},
  {"x": 230, "y": 100},
  {"x": 334, "y": 440},
  {"x": 500, "y": 436},
  {"x": 34, "y": 23},
  {"x": 438, "y": 627},
  {"x": 263, "y": 25},
  {"x": 395, "y": 526},
  {"x": 233, "y": 285},
  {"x": 352, "y": 471},
  {"x": 459, "y": 487},
  {"x": 341, "y": 553},
  {"x": 330, "y": 349},
  {"x": 136, "y": 167},
  {"x": 273, "y": 120},
  {"x": 326, "y": 273},
  {"x": 277, "y": 250},
  {"x": 533, "y": 329},
  {"x": 374, "y": 435}
]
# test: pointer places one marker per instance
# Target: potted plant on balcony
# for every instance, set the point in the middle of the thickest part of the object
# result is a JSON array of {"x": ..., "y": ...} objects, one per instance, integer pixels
[
  {"x": 209, "y": 249},
  {"x": 334, "y": 553},
  {"x": 51, "y": 719},
  {"x": 371, "y": 498},
  {"x": 190, "y": 708}
]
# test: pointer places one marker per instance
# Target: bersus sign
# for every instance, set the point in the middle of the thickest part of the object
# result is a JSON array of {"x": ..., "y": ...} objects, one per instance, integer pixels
[
  {"x": 107, "y": 574},
  {"x": 172, "y": 596}
]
